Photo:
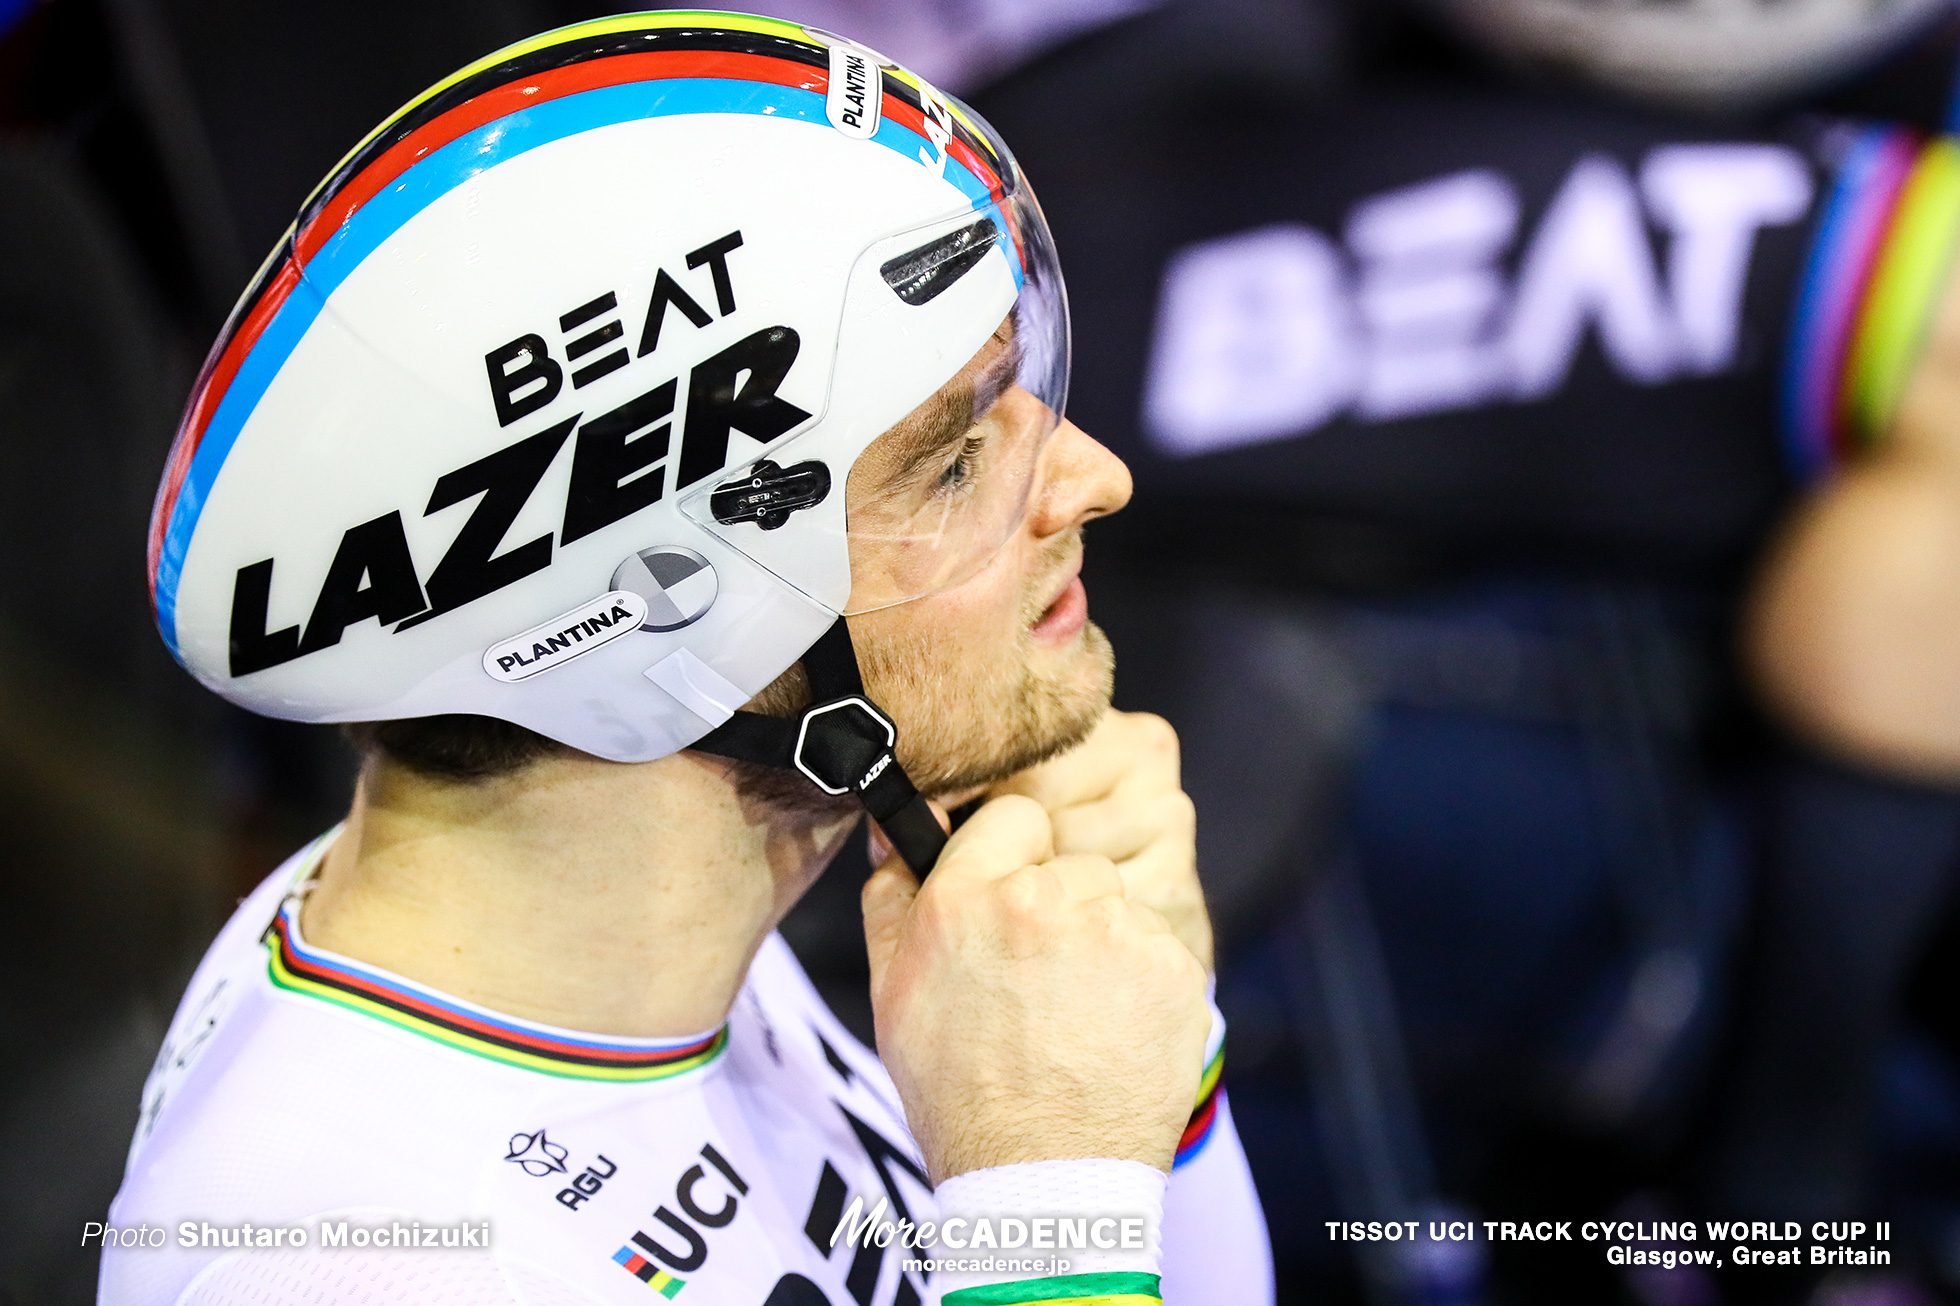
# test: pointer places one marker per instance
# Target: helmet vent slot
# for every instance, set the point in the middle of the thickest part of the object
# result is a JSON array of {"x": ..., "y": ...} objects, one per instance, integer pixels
[{"x": 923, "y": 275}]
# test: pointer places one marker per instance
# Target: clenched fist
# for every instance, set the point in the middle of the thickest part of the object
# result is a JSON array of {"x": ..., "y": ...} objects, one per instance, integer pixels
[
  {"x": 1118, "y": 794},
  {"x": 1027, "y": 1008}
]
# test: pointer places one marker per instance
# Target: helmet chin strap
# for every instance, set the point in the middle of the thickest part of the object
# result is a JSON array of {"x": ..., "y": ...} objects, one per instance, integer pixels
[{"x": 844, "y": 744}]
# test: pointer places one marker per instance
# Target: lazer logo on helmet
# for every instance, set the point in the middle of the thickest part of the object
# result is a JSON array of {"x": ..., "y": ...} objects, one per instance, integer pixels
[{"x": 620, "y": 465}]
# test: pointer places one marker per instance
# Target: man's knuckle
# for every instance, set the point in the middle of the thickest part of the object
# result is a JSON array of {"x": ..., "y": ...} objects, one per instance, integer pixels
[
  {"x": 1019, "y": 813},
  {"x": 933, "y": 913},
  {"x": 1154, "y": 733},
  {"x": 1071, "y": 829},
  {"x": 1027, "y": 893},
  {"x": 1166, "y": 953},
  {"x": 1113, "y": 915}
]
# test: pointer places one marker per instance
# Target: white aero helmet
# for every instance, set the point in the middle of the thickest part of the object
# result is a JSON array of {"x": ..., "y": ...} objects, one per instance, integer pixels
[
  {"x": 1707, "y": 54},
  {"x": 546, "y": 406}
]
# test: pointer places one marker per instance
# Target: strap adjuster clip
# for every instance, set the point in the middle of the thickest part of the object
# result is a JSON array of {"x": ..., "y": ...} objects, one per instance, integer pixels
[{"x": 859, "y": 719}]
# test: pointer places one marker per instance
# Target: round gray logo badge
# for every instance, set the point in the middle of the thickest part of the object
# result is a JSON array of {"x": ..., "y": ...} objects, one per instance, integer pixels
[{"x": 678, "y": 585}]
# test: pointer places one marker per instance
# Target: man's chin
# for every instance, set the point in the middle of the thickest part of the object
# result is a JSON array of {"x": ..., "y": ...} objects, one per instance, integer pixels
[{"x": 1060, "y": 699}]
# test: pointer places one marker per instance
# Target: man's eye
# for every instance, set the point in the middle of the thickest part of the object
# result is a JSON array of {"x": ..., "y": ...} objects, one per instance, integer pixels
[{"x": 960, "y": 470}]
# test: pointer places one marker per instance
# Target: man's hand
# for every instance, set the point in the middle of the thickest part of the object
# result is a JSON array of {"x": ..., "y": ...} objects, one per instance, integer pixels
[
  {"x": 1027, "y": 1009},
  {"x": 1118, "y": 794},
  {"x": 1854, "y": 627}
]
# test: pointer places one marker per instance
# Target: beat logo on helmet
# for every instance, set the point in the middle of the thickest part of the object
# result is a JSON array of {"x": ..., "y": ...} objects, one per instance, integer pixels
[{"x": 620, "y": 464}]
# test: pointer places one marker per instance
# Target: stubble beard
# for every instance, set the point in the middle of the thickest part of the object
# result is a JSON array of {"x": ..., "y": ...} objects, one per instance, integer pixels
[
  {"x": 969, "y": 725},
  {"x": 964, "y": 723}
]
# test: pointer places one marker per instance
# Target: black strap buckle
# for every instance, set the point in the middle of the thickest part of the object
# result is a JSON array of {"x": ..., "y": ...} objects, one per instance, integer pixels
[{"x": 844, "y": 745}]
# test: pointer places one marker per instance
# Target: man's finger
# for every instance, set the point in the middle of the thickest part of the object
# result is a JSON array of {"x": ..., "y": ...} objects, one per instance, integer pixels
[
  {"x": 1003, "y": 836},
  {"x": 1149, "y": 920},
  {"x": 1084, "y": 877},
  {"x": 1125, "y": 749},
  {"x": 1119, "y": 828},
  {"x": 1077, "y": 776}
]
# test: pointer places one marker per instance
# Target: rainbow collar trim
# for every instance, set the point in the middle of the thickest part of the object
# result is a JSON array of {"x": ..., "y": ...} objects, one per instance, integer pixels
[{"x": 297, "y": 968}]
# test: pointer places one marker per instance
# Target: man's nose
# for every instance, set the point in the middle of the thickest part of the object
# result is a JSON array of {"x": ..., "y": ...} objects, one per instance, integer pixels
[{"x": 1080, "y": 479}]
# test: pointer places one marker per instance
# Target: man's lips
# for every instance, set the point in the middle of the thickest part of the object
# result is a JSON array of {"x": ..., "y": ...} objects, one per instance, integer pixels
[{"x": 1066, "y": 613}]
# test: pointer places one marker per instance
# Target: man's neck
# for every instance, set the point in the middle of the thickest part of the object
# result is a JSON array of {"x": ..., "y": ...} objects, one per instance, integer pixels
[{"x": 610, "y": 898}]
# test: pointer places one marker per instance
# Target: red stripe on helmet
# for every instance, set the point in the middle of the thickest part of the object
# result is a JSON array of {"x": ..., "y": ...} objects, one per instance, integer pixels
[
  {"x": 205, "y": 397},
  {"x": 516, "y": 96}
]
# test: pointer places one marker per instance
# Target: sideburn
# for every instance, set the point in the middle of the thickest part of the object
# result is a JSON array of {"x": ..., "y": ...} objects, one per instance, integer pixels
[{"x": 777, "y": 788}]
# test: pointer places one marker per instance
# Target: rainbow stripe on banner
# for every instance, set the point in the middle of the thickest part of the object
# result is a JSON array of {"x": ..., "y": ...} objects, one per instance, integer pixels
[
  {"x": 1871, "y": 287},
  {"x": 298, "y": 968},
  {"x": 572, "y": 80},
  {"x": 1205, "y": 1117},
  {"x": 1075, "y": 1289},
  {"x": 648, "y": 1273}
]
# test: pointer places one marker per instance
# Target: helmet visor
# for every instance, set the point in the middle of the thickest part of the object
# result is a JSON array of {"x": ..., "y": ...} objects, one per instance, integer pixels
[{"x": 934, "y": 494}]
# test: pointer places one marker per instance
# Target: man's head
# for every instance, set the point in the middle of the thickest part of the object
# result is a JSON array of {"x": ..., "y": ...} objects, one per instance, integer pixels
[
  {"x": 984, "y": 678},
  {"x": 594, "y": 386}
]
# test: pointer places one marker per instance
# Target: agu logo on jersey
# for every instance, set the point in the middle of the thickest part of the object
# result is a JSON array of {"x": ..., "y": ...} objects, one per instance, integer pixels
[
  {"x": 536, "y": 1155},
  {"x": 541, "y": 1158}
]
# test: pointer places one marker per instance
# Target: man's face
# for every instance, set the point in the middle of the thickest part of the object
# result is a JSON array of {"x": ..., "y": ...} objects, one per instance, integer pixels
[{"x": 1002, "y": 668}]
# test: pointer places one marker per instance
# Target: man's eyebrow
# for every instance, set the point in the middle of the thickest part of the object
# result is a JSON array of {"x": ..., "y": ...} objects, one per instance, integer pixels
[
  {"x": 953, "y": 410},
  {"x": 996, "y": 376}
]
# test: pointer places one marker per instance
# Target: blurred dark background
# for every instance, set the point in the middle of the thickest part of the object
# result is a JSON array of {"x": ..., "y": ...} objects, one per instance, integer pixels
[{"x": 152, "y": 152}]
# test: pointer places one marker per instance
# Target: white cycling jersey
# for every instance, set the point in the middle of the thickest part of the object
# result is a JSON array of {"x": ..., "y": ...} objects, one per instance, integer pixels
[{"x": 299, "y": 1089}]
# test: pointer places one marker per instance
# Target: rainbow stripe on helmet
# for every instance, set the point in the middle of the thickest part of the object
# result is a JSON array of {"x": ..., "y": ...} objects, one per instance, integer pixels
[{"x": 571, "y": 80}]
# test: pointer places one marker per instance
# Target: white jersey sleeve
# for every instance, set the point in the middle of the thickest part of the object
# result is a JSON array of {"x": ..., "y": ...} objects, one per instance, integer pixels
[{"x": 1215, "y": 1243}]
